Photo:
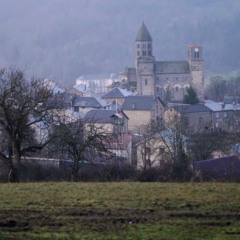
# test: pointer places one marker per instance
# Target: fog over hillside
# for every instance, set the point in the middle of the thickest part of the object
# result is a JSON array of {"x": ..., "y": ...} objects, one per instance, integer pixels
[{"x": 63, "y": 39}]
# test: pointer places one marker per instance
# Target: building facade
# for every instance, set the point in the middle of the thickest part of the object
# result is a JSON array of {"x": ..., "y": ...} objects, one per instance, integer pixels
[{"x": 167, "y": 79}]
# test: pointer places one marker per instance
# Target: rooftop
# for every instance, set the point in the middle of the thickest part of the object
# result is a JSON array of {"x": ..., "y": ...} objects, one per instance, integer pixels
[
  {"x": 117, "y": 93},
  {"x": 138, "y": 103},
  {"x": 143, "y": 34},
  {"x": 172, "y": 67}
]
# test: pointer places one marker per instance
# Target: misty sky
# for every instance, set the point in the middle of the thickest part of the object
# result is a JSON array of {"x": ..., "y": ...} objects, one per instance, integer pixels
[{"x": 63, "y": 39}]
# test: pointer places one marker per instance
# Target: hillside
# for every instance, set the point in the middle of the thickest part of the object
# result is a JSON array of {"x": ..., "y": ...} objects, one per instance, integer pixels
[{"x": 63, "y": 39}]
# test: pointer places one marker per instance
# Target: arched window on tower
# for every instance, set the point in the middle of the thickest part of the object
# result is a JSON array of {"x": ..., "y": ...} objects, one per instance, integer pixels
[{"x": 196, "y": 53}]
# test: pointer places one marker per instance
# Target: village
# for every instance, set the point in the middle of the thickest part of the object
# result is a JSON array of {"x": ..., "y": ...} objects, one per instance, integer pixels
[{"x": 152, "y": 116}]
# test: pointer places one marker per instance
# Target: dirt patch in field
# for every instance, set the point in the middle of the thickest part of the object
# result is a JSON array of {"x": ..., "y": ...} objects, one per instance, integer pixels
[{"x": 12, "y": 223}]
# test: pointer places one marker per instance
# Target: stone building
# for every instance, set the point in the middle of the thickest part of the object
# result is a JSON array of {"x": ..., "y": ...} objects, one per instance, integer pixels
[{"x": 166, "y": 79}]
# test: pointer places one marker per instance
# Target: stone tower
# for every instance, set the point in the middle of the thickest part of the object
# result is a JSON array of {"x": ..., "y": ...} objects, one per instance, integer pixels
[
  {"x": 195, "y": 58},
  {"x": 144, "y": 62}
]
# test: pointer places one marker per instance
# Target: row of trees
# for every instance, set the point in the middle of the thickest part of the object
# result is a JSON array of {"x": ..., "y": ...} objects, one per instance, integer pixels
[{"x": 220, "y": 86}]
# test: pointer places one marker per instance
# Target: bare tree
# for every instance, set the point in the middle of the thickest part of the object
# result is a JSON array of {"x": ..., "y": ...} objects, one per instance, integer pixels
[
  {"x": 23, "y": 104},
  {"x": 216, "y": 88},
  {"x": 149, "y": 148},
  {"x": 81, "y": 143}
]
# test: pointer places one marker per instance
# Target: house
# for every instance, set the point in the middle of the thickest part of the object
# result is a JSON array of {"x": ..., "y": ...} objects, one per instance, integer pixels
[
  {"x": 117, "y": 95},
  {"x": 159, "y": 149},
  {"x": 198, "y": 116},
  {"x": 85, "y": 104},
  {"x": 121, "y": 147},
  {"x": 167, "y": 79},
  {"x": 225, "y": 115},
  {"x": 113, "y": 122},
  {"x": 96, "y": 83},
  {"x": 142, "y": 110}
]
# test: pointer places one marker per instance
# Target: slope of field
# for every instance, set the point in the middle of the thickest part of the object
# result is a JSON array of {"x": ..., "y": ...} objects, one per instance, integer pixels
[{"x": 120, "y": 211}]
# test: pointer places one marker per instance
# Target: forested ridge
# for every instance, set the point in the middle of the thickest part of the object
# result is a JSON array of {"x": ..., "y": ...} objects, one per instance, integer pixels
[{"x": 62, "y": 39}]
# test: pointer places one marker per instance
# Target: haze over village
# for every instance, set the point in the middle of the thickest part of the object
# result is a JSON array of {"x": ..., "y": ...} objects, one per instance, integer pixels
[{"x": 157, "y": 81}]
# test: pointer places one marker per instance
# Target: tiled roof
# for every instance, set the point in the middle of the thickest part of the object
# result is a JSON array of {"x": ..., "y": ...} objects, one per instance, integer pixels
[
  {"x": 95, "y": 76},
  {"x": 220, "y": 106},
  {"x": 143, "y": 34},
  {"x": 138, "y": 103},
  {"x": 88, "y": 102},
  {"x": 175, "y": 67},
  {"x": 102, "y": 115},
  {"x": 117, "y": 93},
  {"x": 191, "y": 108}
]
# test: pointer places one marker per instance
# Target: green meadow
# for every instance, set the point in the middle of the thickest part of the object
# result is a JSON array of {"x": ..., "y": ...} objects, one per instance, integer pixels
[{"x": 129, "y": 210}]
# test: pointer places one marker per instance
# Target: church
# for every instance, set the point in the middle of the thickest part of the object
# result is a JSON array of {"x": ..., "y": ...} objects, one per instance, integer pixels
[{"x": 168, "y": 80}]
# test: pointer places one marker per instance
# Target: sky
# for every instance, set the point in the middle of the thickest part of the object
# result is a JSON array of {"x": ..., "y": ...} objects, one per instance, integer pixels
[{"x": 64, "y": 39}]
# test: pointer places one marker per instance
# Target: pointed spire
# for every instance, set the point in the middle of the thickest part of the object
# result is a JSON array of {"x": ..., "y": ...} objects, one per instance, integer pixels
[{"x": 143, "y": 34}]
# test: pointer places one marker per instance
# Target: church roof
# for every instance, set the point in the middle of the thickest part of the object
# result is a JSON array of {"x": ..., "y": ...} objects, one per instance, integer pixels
[
  {"x": 143, "y": 34},
  {"x": 172, "y": 67}
]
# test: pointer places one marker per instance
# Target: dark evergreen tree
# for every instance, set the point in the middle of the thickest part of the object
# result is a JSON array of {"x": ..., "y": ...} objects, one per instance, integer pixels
[{"x": 191, "y": 96}]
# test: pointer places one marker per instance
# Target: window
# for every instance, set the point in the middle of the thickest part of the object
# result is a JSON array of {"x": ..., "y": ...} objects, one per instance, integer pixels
[
  {"x": 225, "y": 114},
  {"x": 138, "y": 45},
  {"x": 149, "y": 53},
  {"x": 157, "y": 89},
  {"x": 146, "y": 82},
  {"x": 76, "y": 109},
  {"x": 217, "y": 125},
  {"x": 200, "y": 121},
  {"x": 144, "y": 45},
  {"x": 144, "y": 53},
  {"x": 217, "y": 115},
  {"x": 176, "y": 88},
  {"x": 138, "y": 53},
  {"x": 196, "y": 54},
  {"x": 149, "y": 45}
]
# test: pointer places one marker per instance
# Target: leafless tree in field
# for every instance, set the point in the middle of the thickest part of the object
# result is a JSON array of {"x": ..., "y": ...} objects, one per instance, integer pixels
[{"x": 23, "y": 104}]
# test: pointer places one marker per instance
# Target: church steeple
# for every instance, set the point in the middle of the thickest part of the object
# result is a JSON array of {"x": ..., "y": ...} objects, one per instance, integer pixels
[{"x": 143, "y": 42}]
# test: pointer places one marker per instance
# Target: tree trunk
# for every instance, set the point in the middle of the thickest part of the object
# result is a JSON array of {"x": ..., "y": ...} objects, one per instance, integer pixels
[{"x": 13, "y": 175}]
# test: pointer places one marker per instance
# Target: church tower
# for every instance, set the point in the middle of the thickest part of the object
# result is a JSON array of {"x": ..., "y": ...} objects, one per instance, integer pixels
[
  {"x": 195, "y": 58},
  {"x": 144, "y": 62}
]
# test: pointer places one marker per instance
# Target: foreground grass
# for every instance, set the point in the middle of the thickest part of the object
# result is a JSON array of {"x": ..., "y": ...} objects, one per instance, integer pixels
[{"x": 120, "y": 211}]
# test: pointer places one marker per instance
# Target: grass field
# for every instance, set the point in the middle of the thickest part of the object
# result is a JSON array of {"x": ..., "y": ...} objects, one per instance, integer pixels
[{"x": 120, "y": 211}]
